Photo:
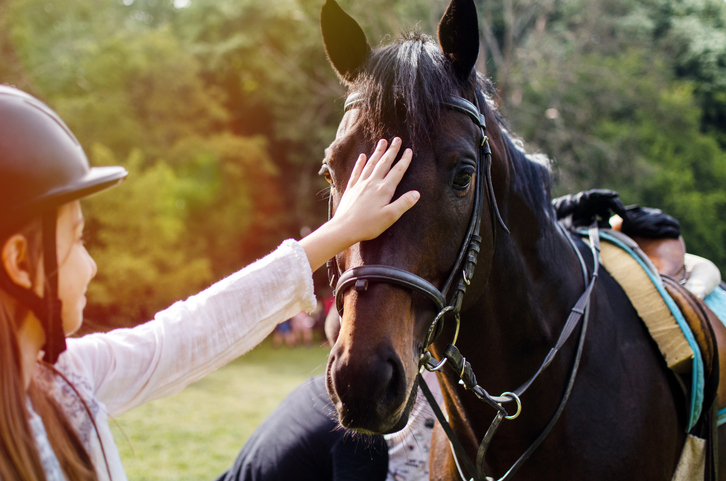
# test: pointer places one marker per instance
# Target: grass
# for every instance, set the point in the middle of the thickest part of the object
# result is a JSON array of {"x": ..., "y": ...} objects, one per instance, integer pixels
[{"x": 197, "y": 434}]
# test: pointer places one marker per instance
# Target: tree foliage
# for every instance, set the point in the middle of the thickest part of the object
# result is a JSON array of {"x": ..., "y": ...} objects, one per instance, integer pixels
[
  {"x": 220, "y": 110},
  {"x": 622, "y": 94}
]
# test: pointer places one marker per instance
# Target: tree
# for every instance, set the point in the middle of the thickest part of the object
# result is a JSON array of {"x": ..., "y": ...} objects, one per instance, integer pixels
[
  {"x": 603, "y": 92},
  {"x": 133, "y": 93},
  {"x": 221, "y": 111}
]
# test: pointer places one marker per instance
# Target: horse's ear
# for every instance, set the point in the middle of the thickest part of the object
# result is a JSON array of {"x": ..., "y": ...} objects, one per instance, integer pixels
[
  {"x": 344, "y": 40},
  {"x": 459, "y": 36}
]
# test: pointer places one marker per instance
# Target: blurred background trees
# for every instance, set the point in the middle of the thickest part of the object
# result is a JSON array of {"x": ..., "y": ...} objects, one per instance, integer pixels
[{"x": 221, "y": 109}]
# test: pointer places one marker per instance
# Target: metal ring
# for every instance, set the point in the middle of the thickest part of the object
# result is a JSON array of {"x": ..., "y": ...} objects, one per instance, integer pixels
[
  {"x": 441, "y": 314},
  {"x": 456, "y": 332},
  {"x": 519, "y": 404},
  {"x": 425, "y": 362},
  {"x": 466, "y": 281},
  {"x": 432, "y": 328},
  {"x": 437, "y": 367}
]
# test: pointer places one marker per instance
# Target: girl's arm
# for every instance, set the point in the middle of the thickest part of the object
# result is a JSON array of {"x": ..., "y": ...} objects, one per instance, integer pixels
[{"x": 128, "y": 367}]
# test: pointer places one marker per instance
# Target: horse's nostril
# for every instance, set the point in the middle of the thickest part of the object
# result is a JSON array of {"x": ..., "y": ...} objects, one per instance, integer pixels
[
  {"x": 394, "y": 389},
  {"x": 384, "y": 373}
]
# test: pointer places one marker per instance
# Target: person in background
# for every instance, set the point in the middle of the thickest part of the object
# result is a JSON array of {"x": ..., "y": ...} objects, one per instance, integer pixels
[
  {"x": 57, "y": 394},
  {"x": 283, "y": 334},
  {"x": 655, "y": 232},
  {"x": 302, "y": 439},
  {"x": 302, "y": 328}
]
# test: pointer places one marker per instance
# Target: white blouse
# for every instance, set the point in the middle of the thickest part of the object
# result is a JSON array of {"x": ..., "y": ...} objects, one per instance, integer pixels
[
  {"x": 408, "y": 449},
  {"x": 119, "y": 370}
]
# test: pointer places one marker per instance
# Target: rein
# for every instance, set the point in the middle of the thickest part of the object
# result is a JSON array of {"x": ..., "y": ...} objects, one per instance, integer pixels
[
  {"x": 463, "y": 268},
  {"x": 468, "y": 379}
]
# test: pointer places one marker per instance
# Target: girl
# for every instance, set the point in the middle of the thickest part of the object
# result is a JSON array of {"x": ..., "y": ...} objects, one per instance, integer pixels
[{"x": 57, "y": 395}]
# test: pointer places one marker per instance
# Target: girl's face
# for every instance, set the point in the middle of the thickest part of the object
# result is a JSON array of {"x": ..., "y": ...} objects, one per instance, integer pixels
[{"x": 76, "y": 267}]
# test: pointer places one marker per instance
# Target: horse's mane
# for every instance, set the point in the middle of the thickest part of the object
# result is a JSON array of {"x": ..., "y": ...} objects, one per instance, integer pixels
[
  {"x": 532, "y": 179},
  {"x": 404, "y": 86}
]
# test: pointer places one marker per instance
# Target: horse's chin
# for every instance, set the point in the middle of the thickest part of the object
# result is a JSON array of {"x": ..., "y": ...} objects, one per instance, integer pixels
[{"x": 376, "y": 420}]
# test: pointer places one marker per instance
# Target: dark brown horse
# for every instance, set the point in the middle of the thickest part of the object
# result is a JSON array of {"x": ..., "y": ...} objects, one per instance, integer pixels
[{"x": 622, "y": 420}]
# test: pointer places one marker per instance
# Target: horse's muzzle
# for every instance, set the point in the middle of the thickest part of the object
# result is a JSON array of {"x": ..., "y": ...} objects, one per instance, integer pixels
[{"x": 370, "y": 392}]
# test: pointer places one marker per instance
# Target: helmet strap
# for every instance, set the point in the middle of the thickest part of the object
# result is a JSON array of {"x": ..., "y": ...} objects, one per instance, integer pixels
[
  {"x": 55, "y": 338},
  {"x": 47, "y": 308}
]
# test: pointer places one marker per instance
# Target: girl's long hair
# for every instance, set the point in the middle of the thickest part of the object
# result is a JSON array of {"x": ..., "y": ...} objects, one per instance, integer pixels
[{"x": 19, "y": 457}]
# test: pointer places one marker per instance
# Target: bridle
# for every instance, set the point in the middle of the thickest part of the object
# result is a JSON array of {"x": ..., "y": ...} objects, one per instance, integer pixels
[
  {"x": 462, "y": 272},
  {"x": 463, "y": 269}
]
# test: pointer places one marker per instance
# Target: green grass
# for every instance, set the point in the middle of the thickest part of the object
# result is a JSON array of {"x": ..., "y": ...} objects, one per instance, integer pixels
[{"x": 197, "y": 434}]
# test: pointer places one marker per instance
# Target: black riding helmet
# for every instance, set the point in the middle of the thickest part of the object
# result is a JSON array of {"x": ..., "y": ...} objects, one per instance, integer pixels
[{"x": 42, "y": 166}]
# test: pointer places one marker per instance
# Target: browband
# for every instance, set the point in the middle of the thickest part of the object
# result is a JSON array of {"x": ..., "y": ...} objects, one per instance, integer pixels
[{"x": 456, "y": 103}]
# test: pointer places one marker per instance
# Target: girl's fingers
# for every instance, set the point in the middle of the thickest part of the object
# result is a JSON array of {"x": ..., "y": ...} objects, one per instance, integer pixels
[
  {"x": 384, "y": 164},
  {"x": 396, "y": 173},
  {"x": 375, "y": 156},
  {"x": 357, "y": 169},
  {"x": 399, "y": 206}
]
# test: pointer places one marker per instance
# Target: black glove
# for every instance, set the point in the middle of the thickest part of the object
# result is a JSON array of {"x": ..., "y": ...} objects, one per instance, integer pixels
[
  {"x": 651, "y": 223},
  {"x": 582, "y": 209}
]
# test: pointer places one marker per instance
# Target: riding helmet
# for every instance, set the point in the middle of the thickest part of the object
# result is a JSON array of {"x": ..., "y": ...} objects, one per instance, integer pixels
[{"x": 42, "y": 166}]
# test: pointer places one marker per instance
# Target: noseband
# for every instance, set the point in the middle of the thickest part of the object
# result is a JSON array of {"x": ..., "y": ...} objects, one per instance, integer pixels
[{"x": 463, "y": 269}]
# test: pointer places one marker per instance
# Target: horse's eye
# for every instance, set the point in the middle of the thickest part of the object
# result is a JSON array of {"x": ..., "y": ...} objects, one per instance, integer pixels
[
  {"x": 462, "y": 179},
  {"x": 325, "y": 172}
]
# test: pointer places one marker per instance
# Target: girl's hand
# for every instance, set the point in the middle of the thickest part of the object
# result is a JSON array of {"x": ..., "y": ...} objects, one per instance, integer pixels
[{"x": 365, "y": 210}]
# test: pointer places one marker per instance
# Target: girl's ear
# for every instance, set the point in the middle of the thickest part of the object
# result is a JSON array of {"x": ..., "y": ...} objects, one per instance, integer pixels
[{"x": 15, "y": 260}]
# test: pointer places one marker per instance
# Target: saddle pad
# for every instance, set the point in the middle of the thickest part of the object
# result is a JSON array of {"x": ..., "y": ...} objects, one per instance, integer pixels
[
  {"x": 658, "y": 311},
  {"x": 649, "y": 304},
  {"x": 716, "y": 301},
  {"x": 692, "y": 463}
]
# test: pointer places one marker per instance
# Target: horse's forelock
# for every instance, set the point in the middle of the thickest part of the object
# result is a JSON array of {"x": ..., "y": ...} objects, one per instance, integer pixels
[{"x": 404, "y": 86}]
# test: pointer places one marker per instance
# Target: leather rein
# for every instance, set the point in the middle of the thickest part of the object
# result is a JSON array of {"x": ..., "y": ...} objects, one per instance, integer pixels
[{"x": 463, "y": 269}]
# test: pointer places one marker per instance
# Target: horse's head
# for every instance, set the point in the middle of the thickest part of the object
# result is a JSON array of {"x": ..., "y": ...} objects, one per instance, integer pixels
[{"x": 403, "y": 89}]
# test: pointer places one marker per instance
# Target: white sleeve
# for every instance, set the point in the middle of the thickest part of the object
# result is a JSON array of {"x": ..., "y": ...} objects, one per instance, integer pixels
[
  {"x": 182, "y": 344},
  {"x": 703, "y": 277}
]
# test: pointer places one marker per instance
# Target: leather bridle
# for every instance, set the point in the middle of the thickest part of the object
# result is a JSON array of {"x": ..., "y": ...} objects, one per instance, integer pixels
[
  {"x": 462, "y": 272},
  {"x": 463, "y": 269}
]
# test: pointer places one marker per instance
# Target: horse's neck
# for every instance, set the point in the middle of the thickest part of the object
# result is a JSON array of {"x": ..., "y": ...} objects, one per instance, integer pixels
[
  {"x": 534, "y": 282},
  {"x": 535, "y": 278}
]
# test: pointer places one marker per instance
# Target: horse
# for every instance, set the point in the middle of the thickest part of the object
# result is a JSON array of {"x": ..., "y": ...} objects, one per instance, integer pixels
[{"x": 624, "y": 413}]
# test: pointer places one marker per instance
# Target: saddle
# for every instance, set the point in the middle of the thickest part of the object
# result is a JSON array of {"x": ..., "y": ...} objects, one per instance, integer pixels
[
  {"x": 704, "y": 367},
  {"x": 668, "y": 256},
  {"x": 651, "y": 266},
  {"x": 710, "y": 335}
]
